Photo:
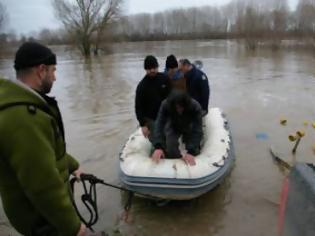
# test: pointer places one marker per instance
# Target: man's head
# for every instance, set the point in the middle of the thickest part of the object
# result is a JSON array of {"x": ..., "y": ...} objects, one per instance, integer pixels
[
  {"x": 171, "y": 65},
  {"x": 185, "y": 65},
  {"x": 171, "y": 62},
  {"x": 35, "y": 66},
  {"x": 179, "y": 101},
  {"x": 151, "y": 65}
]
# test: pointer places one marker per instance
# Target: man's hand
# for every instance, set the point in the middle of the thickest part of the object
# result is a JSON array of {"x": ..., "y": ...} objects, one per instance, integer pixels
[
  {"x": 189, "y": 159},
  {"x": 145, "y": 131},
  {"x": 82, "y": 231},
  {"x": 77, "y": 173},
  {"x": 157, "y": 155}
]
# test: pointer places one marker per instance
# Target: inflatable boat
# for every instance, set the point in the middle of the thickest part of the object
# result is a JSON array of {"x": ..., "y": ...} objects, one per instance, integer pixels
[{"x": 173, "y": 179}]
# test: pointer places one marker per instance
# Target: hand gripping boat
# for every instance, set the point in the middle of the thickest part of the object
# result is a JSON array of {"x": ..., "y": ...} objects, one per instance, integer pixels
[{"x": 172, "y": 178}]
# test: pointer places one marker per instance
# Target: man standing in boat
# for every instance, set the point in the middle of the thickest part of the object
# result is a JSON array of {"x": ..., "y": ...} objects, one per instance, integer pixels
[
  {"x": 150, "y": 93},
  {"x": 171, "y": 65},
  {"x": 179, "y": 115},
  {"x": 34, "y": 164},
  {"x": 197, "y": 84},
  {"x": 175, "y": 76}
]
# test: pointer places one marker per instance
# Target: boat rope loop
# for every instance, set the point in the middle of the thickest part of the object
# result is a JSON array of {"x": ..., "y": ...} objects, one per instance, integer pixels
[{"x": 89, "y": 197}]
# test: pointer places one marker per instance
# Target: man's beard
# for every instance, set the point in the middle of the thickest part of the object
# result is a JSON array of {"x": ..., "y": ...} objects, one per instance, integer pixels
[
  {"x": 152, "y": 74},
  {"x": 46, "y": 85}
]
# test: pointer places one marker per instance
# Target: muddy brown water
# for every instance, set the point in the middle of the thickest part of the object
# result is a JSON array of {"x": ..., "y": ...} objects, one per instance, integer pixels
[{"x": 254, "y": 89}]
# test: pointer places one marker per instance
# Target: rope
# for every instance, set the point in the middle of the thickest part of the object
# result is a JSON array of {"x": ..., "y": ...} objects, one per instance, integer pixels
[{"x": 89, "y": 197}]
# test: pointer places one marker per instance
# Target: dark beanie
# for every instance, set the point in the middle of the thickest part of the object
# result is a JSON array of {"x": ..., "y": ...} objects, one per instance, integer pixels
[
  {"x": 150, "y": 62},
  {"x": 31, "y": 54},
  {"x": 171, "y": 62}
]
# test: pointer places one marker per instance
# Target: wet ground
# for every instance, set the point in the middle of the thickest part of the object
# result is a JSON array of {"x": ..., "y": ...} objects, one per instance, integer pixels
[{"x": 255, "y": 89}]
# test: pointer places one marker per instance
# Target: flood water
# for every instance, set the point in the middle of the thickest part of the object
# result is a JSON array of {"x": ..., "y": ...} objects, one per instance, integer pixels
[{"x": 254, "y": 89}]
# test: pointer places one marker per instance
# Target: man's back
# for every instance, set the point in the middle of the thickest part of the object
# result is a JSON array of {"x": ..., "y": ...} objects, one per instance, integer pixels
[
  {"x": 34, "y": 166},
  {"x": 179, "y": 115},
  {"x": 181, "y": 122}
]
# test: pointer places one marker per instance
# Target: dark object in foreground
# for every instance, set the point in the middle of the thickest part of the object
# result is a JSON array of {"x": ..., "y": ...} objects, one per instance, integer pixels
[
  {"x": 89, "y": 197},
  {"x": 297, "y": 206},
  {"x": 277, "y": 158}
]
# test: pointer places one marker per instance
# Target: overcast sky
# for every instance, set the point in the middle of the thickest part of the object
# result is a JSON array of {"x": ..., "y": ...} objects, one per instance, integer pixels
[{"x": 33, "y": 15}]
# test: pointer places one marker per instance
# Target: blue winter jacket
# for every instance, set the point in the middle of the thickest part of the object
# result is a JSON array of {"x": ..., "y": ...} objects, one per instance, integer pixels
[{"x": 198, "y": 87}]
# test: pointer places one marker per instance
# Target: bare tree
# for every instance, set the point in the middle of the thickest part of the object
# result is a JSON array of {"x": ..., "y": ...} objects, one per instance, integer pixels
[
  {"x": 3, "y": 16},
  {"x": 86, "y": 20},
  {"x": 278, "y": 22},
  {"x": 306, "y": 16},
  {"x": 250, "y": 25},
  {"x": 52, "y": 37},
  {"x": 3, "y": 19}
]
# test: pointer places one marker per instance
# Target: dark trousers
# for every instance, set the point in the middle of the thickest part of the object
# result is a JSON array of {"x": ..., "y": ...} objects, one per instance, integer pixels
[
  {"x": 172, "y": 140},
  {"x": 150, "y": 124}
]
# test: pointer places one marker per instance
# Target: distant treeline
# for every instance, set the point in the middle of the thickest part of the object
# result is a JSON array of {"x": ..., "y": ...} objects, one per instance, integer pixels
[
  {"x": 250, "y": 20},
  {"x": 253, "y": 20}
]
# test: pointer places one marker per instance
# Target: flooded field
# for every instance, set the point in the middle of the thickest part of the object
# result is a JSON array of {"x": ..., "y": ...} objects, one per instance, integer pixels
[{"x": 255, "y": 89}]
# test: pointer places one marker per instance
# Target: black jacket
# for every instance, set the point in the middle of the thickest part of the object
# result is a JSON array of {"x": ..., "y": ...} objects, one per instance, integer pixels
[
  {"x": 150, "y": 93},
  {"x": 198, "y": 87},
  {"x": 190, "y": 120}
]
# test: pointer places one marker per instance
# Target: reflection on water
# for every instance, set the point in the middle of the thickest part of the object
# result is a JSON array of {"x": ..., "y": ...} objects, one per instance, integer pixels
[
  {"x": 202, "y": 216},
  {"x": 96, "y": 97}
]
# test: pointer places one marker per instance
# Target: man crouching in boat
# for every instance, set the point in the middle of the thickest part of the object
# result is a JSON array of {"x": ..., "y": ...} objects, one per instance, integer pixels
[{"x": 179, "y": 115}]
